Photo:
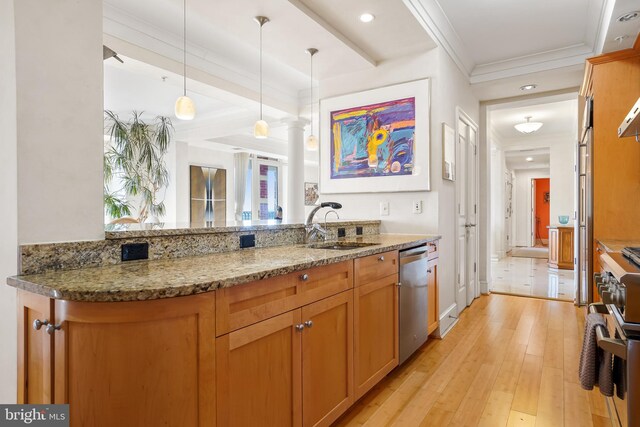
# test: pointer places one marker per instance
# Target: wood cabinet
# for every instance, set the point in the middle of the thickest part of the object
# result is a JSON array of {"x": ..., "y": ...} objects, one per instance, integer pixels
[
  {"x": 121, "y": 363},
  {"x": 561, "y": 248},
  {"x": 433, "y": 307},
  {"x": 370, "y": 268},
  {"x": 375, "y": 331},
  {"x": 261, "y": 367}
]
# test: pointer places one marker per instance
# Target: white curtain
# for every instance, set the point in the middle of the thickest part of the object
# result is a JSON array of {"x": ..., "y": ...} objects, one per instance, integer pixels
[{"x": 240, "y": 169}]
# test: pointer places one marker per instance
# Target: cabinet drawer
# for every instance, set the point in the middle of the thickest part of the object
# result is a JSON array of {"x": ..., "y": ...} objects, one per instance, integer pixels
[
  {"x": 321, "y": 282},
  {"x": 432, "y": 249},
  {"x": 244, "y": 305},
  {"x": 374, "y": 267}
]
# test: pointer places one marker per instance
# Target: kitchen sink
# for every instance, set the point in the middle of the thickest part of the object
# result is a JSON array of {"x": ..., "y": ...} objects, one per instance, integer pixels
[{"x": 340, "y": 246}]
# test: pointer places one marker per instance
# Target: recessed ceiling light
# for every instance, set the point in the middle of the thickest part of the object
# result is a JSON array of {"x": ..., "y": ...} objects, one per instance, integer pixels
[
  {"x": 628, "y": 16},
  {"x": 528, "y": 87},
  {"x": 367, "y": 17},
  {"x": 529, "y": 159}
]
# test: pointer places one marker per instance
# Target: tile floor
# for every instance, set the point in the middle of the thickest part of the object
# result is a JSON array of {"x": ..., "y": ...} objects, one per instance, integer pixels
[{"x": 531, "y": 277}]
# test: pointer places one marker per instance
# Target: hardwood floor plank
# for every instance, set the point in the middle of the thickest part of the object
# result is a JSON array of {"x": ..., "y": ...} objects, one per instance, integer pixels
[
  {"x": 497, "y": 409},
  {"x": 519, "y": 419},
  {"x": 551, "y": 400},
  {"x": 508, "y": 361},
  {"x": 528, "y": 388}
]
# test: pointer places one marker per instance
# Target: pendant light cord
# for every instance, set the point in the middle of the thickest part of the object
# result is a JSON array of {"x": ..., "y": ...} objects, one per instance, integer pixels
[
  {"x": 261, "y": 24},
  {"x": 311, "y": 86},
  {"x": 184, "y": 50}
]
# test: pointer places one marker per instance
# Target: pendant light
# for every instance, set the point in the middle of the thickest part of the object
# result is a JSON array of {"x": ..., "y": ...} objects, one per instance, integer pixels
[
  {"x": 312, "y": 140},
  {"x": 261, "y": 128},
  {"x": 185, "y": 109},
  {"x": 528, "y": 127}
]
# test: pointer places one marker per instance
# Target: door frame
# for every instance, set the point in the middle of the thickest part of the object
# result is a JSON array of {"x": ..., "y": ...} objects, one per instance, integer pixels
[
  {"x": 464, "y": 301},
  {"x": 532, "y": 195},
  {"x": 255, "y": 183}
]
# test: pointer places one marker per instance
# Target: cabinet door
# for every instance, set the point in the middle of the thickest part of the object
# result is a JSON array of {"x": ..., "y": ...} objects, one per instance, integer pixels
[
  {"x": 433, "y": 308},
  {"x": 35, "y": 348},
  {"x": 137, "y": 363},
  {"x": 553, "y": 247},
  {"x": 259, "y": 372},
  {"x": 376, "y": 332},
  {"x": 565, "y": 248},
  {"x": 327, "y": 359}
]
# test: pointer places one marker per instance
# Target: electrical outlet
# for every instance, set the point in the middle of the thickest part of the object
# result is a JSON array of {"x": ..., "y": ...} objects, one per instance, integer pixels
[
  {"x": 134, "y": 251},
  {"x": 359, "y": 231},
  {"x": 384, "y": 208},
  {"x": 247, "y": 241},
  {"x": 417, "y": 206},
  {"x": 342, "y": 232}
]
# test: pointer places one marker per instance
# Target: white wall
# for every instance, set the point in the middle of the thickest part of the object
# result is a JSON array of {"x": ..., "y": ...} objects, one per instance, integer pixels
[
  {"x": 449, "y": 90},
  {"x": 9, "y": 197},
  {"x": 522, "y": 205},
  {"x": 59, "y": 120},
  {"x": 561, "y": 166}
]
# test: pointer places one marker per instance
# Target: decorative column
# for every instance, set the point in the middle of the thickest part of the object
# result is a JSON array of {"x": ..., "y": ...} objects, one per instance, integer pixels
[{"x": 294, "y": 210}]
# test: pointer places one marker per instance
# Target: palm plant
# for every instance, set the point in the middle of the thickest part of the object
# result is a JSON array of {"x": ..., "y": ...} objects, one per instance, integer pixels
[{"x": 136, "y": 157}]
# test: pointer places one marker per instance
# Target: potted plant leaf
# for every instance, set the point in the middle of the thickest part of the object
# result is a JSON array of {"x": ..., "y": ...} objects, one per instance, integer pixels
[{"x": 135, "y": 162}]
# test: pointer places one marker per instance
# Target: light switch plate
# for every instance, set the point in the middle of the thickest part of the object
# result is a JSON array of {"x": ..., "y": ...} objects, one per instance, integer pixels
[
  {"x": 417, "y": 206},
  {"x": 384, "y": 208}
]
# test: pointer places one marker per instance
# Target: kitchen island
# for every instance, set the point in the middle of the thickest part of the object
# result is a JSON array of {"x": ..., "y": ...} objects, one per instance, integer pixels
[{"x": 285, "y": 335}]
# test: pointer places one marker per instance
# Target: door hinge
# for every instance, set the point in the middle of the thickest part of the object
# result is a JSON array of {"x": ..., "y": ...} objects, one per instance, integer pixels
[
  {"x": 475, "y": 149},
  {"x": 458, "y": 278},
  {"x": 474, "y": 267},
  {"x": 475, "y": 209},
  {"x": 459, "y": 211}
]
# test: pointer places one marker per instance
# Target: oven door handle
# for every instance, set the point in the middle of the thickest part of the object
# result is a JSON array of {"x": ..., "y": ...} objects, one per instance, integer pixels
[{"x": 611, "y": 345}]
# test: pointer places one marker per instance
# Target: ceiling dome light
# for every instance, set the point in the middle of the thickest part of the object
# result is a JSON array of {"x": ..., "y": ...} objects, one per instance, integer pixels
[
  {"x": 528, "y": 87},
  {"x": 528, "y": 127},
  {"x": 529, "y": 159},
  {"x": 628, "y": 16},
  {"x": 312, "y": 143},
  {"x": 367, "y": 17},
  {"x": 261, "y": 129}
]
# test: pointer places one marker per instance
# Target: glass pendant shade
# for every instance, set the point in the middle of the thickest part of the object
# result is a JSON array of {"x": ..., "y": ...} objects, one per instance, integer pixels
[
  {"x": 185, "y": 108},
  {"x": 312, "y": 143},
  {"x": 261, "y": 129},
  {"x": 528, "y": 127}
]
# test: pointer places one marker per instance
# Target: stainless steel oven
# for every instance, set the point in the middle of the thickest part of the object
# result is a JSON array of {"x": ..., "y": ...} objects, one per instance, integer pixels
[{"x": 619, "y": 288}]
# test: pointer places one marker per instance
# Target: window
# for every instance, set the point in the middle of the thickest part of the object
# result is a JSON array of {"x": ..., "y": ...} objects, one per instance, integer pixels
[
  {"x": 208, "y": 195},
  {"x": 263, "y": 190}
]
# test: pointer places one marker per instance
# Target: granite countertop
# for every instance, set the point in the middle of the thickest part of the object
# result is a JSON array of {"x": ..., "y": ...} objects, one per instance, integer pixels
[
  {"x": 146, "y": 280},
  {"x": 129, "y": 231},
  {"x": 611, "y": 245}
]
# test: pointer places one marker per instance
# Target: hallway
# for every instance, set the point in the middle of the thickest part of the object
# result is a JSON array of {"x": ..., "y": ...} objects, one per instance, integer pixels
[
  {"x": 531, "y": 277},
  {"x": 509, "y": 361}
]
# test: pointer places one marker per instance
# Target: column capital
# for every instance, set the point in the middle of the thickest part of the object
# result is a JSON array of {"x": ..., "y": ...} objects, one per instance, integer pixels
[{"x": 296, "y": 122}]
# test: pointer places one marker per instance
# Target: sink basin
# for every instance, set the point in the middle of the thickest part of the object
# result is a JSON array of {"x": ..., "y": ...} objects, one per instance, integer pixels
[{"x": 340, "y": 246}]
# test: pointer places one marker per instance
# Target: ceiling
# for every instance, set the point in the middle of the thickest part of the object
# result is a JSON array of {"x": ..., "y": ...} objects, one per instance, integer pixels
[
  {"x": 558, "y": 118},
  {"x": 517, "y": 159},
  {"x": 499, "y": 45}
]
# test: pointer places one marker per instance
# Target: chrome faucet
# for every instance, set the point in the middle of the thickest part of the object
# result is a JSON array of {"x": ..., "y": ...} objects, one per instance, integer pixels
[{"x": 315, "y": 231}]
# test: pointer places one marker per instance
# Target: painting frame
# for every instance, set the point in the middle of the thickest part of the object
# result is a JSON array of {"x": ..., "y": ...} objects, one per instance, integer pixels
[
  {"x": 448, "y": 153},
  {"x": 419, "y": 179}
]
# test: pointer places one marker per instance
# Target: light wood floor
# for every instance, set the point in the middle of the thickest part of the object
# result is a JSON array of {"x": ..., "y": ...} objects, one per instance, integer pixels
[{"x": 510, "y": 361}]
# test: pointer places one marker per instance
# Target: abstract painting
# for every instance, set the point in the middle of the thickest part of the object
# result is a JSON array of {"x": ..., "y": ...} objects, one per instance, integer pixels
[
  {"x": 376, "y": 140},
  {"x": 373, "y": 140}
]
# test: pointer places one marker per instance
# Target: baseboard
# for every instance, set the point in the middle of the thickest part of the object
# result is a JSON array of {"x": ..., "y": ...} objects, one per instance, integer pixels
[
  {"x": 447, "y": 321},
  {"x": 484, "y": 287}
]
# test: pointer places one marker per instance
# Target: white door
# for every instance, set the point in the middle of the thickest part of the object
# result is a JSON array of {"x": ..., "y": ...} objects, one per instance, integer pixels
[
  {"x": 532, "y": 242},
  {"x": 467, "y": 286}
]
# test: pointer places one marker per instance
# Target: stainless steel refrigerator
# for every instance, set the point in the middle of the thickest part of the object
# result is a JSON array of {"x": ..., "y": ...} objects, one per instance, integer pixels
[{"x": 584, "y": 214}]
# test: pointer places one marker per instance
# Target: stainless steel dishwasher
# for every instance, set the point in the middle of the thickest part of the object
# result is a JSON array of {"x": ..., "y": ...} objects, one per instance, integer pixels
[{"x": 412, "y": 300}]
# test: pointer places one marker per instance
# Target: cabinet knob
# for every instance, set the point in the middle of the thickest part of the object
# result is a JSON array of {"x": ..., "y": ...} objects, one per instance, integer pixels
[
  {"x": 304, "y": 277},
  {"x": 308, "y": 323},
  {"x": 52, "y": 328},
  {"x": 381, "y": 258},
  {"x": 37, "y": 324},
  {"x": 429, "y": 270},
  {"x": 299, "y": 327}
]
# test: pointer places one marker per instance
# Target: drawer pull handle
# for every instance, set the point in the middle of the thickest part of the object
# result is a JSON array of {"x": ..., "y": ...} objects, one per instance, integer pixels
[
  {"x": 37, "y": 324},
  {"x": 381, "y": 258},
  {"x": 299, "y": 327},
  {"x": 304, "y": 277},
  {"x": 308, "y": 323},
  {"x": 51, "y": 328}
]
